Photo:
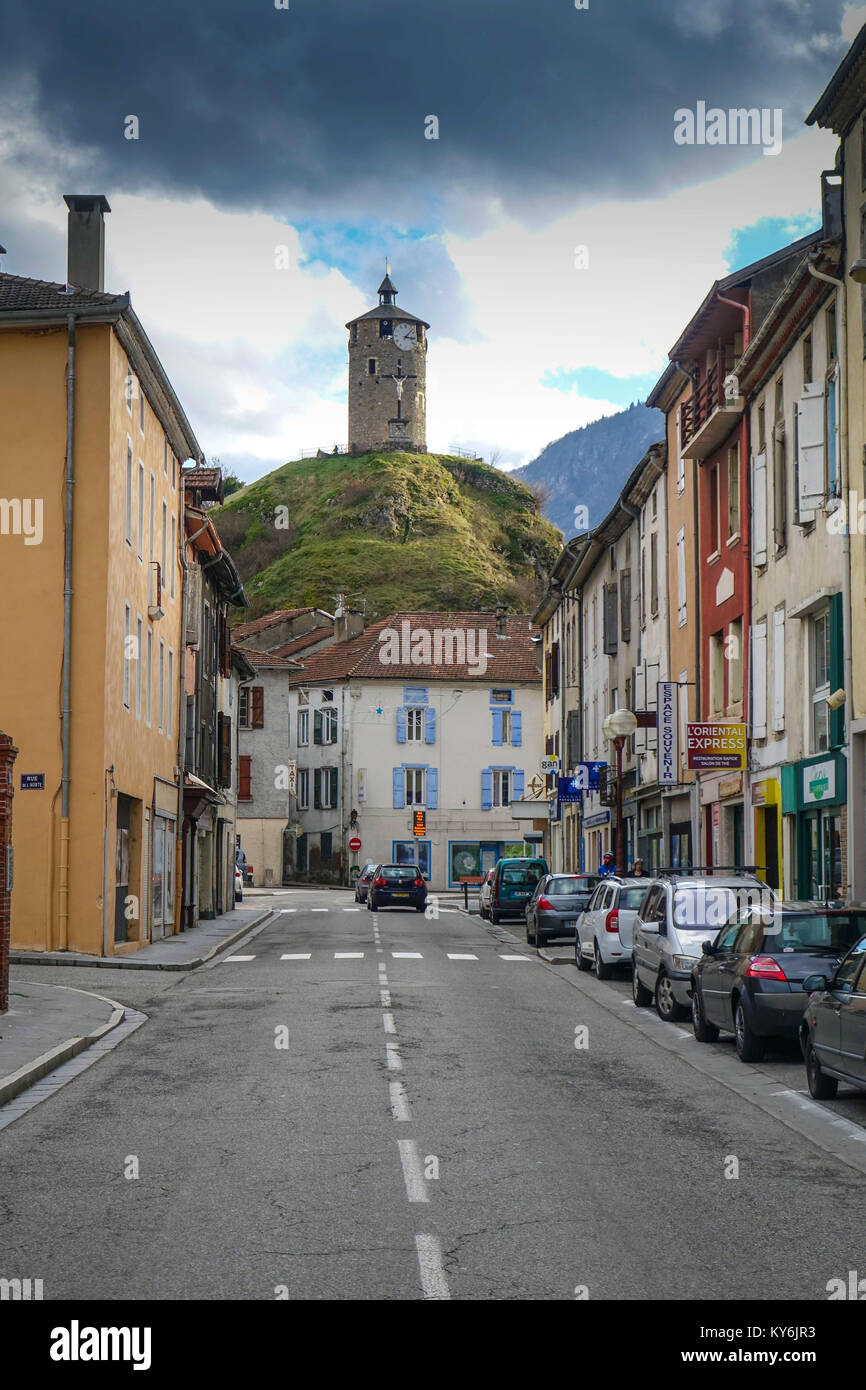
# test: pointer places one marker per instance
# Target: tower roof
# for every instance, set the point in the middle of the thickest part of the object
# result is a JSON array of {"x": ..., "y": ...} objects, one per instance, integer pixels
[
  {"x": 388, "y": 308},
  {"x": 387, "y": 286}
]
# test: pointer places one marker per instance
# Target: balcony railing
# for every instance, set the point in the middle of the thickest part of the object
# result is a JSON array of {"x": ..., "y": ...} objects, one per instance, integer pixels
[{"x": 709, "y": 403}]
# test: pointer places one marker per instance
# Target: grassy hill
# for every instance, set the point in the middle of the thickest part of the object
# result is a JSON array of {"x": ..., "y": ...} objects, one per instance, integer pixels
[{"x": 411, "y": 531}]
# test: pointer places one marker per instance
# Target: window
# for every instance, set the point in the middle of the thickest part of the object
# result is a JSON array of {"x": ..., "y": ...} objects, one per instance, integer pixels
[
  {"x": 245, "y": 792},
  {"x": 762, "y": 429},
  {"x": 165, "y": 457},
  {"x": 324, "y": 726},
  {"x": 303, "y": 697},
  {"x": 326, "y": 845},
  {"x": 610, "y": 619},
  {"x": 759, "y": 509},
  {"x": 169, "y": 721},
  {"x": 682, "y": 600},
  {"x": 714, "y": 531},
  {"x": 164, "y": 538},
  {"x": 734, "y": 489},
  {"x": 415, "y": 725},
  {"x": 820, "y": 680},
  {"x": 501, "y": 786},
  {"x": 151, "y": 517},
  {"x": 148, "y": 695},
  {"x": 735, "y": 662},
  {"x": 624, "y": 605},
  {"x": 594, "y": 624},
  {"x": 173, "y": 551},
  {"x": 415, "y": 852},
  {"x": 681, "y": 463},
  {"x": 161, "y": 702},
  {"x": 654, "y": 574},
  {"x": 371, "y": 366},
  {"x": 807, "y": 358},
  {"x": 778, "y": 710},
  {"x": 303, "y": 788},
  {"x": 325, "y": 788},
  {"x": 138, "y": 635},
  {"x": 832, "y": 351},
  {"x": 127, "y": 656},
  {"x": 140, "y": 410},
  {"x": 244, "y": 707},
  {"x": 717, "y": 672},
  {"x": 780, "y": 487},
  {"x": 759, "y": 679},
  {"x": 416, "y": 786},
  {"x": 655, "y": 503},
  {"x": 303, "y": 727},
  {"x": 613, "y": 559},
  {"x": 130, "y": 389},
  {"x": 257, "y": 706},
  {"x": 501, "y": 697},
  {"x": 832, "y": 435},
  {"x": 128, "y": 524},
  {"x": 386, "y": 328}
]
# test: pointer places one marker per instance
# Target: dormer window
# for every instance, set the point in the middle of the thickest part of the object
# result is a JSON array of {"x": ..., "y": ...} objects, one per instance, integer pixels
[
  {"x": 371, "y": 366},
  {"x": 386, "y": 328}
]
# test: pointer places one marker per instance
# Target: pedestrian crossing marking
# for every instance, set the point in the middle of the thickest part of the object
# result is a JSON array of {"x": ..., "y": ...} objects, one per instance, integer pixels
[
  {"x": 348, "y": 955},
  {"x": 514, "y": 957},
  {"x": 458, "y": 957},
  {"x": 407, "y": 955},
  {"x": 301, "y": 955}
]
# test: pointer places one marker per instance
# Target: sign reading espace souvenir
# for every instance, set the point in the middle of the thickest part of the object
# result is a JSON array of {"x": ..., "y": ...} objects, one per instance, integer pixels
[
  {"x": 668, "y": 754},
  {"x": 716, "y": 746}
]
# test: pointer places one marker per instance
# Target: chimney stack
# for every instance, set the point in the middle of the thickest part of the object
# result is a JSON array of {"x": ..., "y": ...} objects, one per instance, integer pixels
[{"x": 85, "y": 262}]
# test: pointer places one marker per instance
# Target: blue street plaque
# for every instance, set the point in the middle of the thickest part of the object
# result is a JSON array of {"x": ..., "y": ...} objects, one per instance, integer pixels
[
  {"x": 33, "y": 781},
  {"x": 585, "y": 779}
]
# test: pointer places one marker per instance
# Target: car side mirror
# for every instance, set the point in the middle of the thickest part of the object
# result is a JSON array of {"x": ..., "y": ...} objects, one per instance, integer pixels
[
  {"x": 650, "y": 927},
  {"x": 813, "y": 983},
  {"x": 709, "y": 948}
]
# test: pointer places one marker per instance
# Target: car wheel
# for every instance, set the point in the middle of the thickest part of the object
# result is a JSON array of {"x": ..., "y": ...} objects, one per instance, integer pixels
[
  {"x": 667, "y": 1008},
  {"x": 580, "y": 959},
  {"x": 494, "y": 917},
  {"x": 750, "y": 1048},
  {"x": 704, "y": 1032},
  {"x": 530, "y": 936},
  {"x": 419, "y": 907},
  {"x": 821, "y": 1087},
  {"x": 642, "y": 996},
  {"x": 369, "y": 902},
  {"x": 603, "y": 971}
]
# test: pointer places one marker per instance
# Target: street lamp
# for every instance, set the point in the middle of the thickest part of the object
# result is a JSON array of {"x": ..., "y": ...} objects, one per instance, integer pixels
[{"x": 616, "y": 728}]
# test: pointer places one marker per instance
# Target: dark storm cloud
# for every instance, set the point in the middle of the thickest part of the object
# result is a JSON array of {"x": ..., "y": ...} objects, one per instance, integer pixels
[{"x": 320, "y": 108}]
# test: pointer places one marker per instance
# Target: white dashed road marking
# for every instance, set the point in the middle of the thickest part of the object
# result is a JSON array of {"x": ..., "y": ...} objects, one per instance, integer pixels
[
  {"x": 388, "y": 1023},
  {"x": 433, "y": 1280},
  {"x": 456, "y": 957},
  {"x": 230, "y": 958},
  {"x": 413, "y": 1171},
  {"x": 407, "y": 955},
  {"x": 514, "y": 957},
  {"x": 302, "y": 955},
  {"x": 393, "y": 1060},
  {"x": 399, "y": 1101},
  {"x": 348, "y": 955}
]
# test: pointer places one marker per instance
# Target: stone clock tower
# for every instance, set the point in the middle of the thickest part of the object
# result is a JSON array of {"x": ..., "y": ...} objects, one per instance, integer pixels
[{"x": 387, "y": 377}]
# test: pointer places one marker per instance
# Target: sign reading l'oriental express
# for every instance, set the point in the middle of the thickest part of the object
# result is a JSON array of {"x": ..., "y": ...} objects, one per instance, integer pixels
[{"x": 716, "y": 746}]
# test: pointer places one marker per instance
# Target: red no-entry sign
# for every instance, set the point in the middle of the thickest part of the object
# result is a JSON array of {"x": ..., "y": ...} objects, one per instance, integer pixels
[{"x": 354, "y": 844}]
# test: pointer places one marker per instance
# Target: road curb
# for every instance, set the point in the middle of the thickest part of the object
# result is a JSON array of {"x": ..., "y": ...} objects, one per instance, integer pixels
[
  {"x": 27, "y": 1076},
  {"x": 130, "y": 962}
]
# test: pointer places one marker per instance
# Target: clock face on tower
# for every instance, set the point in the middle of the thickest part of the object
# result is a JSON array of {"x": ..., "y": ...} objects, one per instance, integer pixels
[{"x": 404, "y": 336}]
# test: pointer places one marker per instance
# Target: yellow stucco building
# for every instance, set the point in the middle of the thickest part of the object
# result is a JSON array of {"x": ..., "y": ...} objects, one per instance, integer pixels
[{"x": 91, "y": 528}]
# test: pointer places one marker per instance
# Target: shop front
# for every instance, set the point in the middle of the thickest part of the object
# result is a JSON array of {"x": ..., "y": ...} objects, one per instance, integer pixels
[
  {"x": 766, "y": 798},
  {"x": 724, "y": 820},
  {"x": 813, "y": 796}
]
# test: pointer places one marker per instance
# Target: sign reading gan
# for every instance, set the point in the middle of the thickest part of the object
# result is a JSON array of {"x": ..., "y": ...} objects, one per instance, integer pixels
[{"x": 716, "y": 746}]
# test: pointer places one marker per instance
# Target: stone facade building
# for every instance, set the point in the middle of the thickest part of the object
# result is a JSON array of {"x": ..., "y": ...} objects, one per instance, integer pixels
[{"x": 387, "y": 377}]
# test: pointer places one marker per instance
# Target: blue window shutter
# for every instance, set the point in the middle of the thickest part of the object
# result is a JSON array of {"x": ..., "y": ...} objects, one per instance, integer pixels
[
  {"x": 415, "y": 695},
  {"x": 516, "y": 783},
  {"x": 487, "y": 789},
  {"x": 516, "y": 728},
  {"x": 432, "y": 788},
  {"x": 497, "y": 727},
  {"x": 429, "y": 725},
  {"x": 401, "y": 724},
  {"x": 399, "y": 789}
]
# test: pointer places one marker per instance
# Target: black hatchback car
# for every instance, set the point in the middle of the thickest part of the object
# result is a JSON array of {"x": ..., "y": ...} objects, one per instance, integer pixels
[
  {"x": 397, "y": 885},
  {"x": 833, "y": 1031},
  {"x": 750, "y": 980}
]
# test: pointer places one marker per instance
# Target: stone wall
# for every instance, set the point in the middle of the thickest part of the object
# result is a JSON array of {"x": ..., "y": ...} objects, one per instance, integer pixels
[{"x": 373, "y": 397}]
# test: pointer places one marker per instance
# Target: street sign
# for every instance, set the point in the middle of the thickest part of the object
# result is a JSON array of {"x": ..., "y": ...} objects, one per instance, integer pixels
[
  {"x": 668, "y": 720},
  {"x": 355, "y": 844},
  {"x": 419, "y": 823},
  {"x": 548, "y": 765},
  {"x": 586, "y": 778},
  {"x": 716, "y": 746},
  {"x": 293, "y": 776},
  {"x": 33, "y": 781},
  {"x": 536, "y": 785}
]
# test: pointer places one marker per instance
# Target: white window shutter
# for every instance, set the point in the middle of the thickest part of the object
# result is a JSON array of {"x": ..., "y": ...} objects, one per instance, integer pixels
[
  {"x": 759, "y": 509},
  {"x": 759, "y": 680},
  {"x": 681, "y": 574},
  {"x": 778, "y": 670},
  {"x": 810, "y": 460}
]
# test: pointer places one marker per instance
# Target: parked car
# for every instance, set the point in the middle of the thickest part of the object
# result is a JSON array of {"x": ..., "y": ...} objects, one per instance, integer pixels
[
  {"x": 514, "y": 882},
  {"x": 555, "y": 906},
  {"x": 604, "y": 930},
  {"x": 484, "y": 893},
  {"x": 833, "y": 1030},
  {"x": 363, "y": 881},
  {"x": 679, "y": 913},
  {"x": 248, "y": 875},
  {"x": 750, "y": 979},
  {"x": 397, "y": 885},
  {"x": 239, "y": 884}
]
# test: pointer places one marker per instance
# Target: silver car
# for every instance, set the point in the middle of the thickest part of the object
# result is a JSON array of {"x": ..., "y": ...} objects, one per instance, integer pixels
[
  {"x": 604, "y": 930},
  {"x": 678, "y": 914}
]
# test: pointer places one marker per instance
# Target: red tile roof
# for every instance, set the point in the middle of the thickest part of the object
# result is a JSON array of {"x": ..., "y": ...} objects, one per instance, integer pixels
[
  {"x": 512, "y": 657},
  {"x": 269, "y": 659},
  {"x": 269, "y": 620},
  {"x": 307, "y": 639}
]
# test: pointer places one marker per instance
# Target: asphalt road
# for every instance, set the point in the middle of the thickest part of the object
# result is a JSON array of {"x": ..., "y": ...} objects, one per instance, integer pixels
[{"x": 399, "y": 1110}]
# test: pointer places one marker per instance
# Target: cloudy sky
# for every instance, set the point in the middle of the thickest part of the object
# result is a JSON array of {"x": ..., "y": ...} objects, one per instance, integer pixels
[{"x": 555, "y": 235}]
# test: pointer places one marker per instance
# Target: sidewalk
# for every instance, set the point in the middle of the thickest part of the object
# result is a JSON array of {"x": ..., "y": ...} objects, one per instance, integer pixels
[
  {"x": 45, "y": 1026},
  {"x": 185, "y": 951}
]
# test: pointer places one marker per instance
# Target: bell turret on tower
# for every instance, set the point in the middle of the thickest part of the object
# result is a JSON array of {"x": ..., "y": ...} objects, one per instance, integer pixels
[{"x": 387, "y": 377}]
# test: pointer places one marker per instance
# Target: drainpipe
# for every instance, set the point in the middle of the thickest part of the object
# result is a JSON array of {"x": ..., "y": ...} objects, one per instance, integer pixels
[
  {"x": 635, "y": 516},
  {"x": 842, "y": 300},
  {"x": 63, "y": 914},
  {"x": 747, "y": 321},
  {"x": 179, "y": 886},
  {"x": 694, "y": 785}
]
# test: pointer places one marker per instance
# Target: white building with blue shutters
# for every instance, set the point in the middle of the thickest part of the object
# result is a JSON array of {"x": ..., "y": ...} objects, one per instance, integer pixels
[{"x": 448, "y": 725}]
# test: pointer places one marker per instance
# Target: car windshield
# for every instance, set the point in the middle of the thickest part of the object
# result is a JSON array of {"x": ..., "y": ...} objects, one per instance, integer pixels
[
  {"x": 399, "y": 871},
  {"x": 703, "y": 907},
  {"x": 521, "y": 875},
  {"x": 630, "y": 899},
  {"x": 834, "y": 932}
]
